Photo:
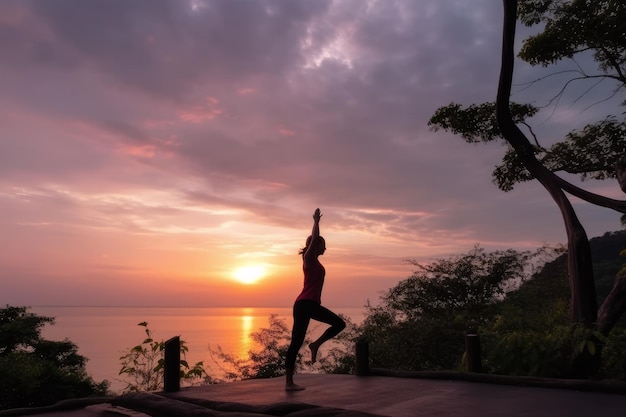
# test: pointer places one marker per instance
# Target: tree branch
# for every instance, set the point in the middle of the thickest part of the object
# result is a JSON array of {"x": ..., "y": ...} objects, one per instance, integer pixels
[{"x": 584, "y": 307}]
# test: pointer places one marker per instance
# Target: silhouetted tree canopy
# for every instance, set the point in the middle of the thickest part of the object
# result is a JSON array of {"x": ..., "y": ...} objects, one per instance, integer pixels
[
  {"x": 35, "y": 371},
  {"x": 570, "y": 28}
]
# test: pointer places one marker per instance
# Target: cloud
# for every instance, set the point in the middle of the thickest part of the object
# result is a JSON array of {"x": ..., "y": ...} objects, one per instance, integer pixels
[{"x": 138, "y": 136}]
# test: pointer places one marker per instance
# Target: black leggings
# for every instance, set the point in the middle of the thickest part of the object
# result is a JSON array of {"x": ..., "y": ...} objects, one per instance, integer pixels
[{"x": 303, "y": 312}]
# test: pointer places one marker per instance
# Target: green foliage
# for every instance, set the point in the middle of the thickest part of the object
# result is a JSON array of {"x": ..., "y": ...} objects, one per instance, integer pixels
[
  {"x": 268, "y": 359},
  {"x": 573, "y": 27},
  {"x": 607, "y": 263},
  {"x": 144, "y": 365},
  {"x": 613, "y": 358},
  {"x": 569, "y": 28},
  {"x": 588, "y": 341},
  {"x": 20, "y": 329},
  {"x": 35, "y": 371},
  {"x": 590, "y": 152},
  {"x": 517, "y": 301},
  {"x": 462, "y": 288},
  {"x": 476, "y": 123},
  {"x": 414, "y": 345},
  {"x": 542, "y": 353},
  {"x": 513, "y": 346},
  {"x": 533, "y": 335},
  {"x": 266, "y": 362},
  {"x": 548, "y": 294},
  {"x": 421, "y": 322}
]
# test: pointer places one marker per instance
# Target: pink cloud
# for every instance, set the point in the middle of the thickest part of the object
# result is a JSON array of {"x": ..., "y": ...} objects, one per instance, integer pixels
[
  {"x": 245, "y": 91},
  {"x": 106, "y": 128},
  {"x": 286, "y": 131},
  {"x": 203, "y": 112},
  {"x": 142, "y": 151}
]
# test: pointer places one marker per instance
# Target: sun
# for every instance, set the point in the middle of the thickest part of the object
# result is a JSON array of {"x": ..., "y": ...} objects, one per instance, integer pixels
[{"x": 249, "y": 274}]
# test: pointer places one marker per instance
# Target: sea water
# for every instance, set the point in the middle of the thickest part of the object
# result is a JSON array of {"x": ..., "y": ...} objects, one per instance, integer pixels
[{"x": 104, "y": 334}]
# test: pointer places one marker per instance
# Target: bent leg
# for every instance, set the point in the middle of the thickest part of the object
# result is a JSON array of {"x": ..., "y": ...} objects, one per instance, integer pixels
[{"x": 337, "y": 324}]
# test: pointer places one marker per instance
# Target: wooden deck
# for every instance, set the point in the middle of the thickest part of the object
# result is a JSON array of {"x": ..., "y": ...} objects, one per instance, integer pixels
[{"x": 404, "y": 397}]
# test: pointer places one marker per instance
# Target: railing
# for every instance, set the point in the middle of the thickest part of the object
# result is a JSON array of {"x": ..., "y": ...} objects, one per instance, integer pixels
[
  {"x": 473, "y": 362},
  {"x": 171, "y": 368},
  {"x": 171, "y": 374}
]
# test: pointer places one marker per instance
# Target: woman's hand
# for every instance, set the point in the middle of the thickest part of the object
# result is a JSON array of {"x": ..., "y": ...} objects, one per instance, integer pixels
[{"x": 317, "y": 215}]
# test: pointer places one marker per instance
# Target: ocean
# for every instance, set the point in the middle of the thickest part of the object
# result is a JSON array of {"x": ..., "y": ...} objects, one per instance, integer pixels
[{"x": 104, "y": 334}]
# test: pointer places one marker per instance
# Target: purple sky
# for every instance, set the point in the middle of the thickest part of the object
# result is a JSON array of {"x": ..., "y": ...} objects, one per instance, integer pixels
[{"x": 149, "y": 148}]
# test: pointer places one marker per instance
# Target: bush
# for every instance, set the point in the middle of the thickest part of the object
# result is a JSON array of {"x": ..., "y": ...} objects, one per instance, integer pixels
[
  {"x": 268, "y": 360},
  {"x": 36, "y": 372},
  {"x": 421, "y": 323},
  {"x": 144, "y": 365},
  {"x": 613, "y": 358}
]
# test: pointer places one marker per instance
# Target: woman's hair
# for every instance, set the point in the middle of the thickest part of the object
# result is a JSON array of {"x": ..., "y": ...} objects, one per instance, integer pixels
[{"x": 308, "y": 243}]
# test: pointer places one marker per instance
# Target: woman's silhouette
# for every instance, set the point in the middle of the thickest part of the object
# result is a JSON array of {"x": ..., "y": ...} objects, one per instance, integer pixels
[{"x": 308, "y": 305}]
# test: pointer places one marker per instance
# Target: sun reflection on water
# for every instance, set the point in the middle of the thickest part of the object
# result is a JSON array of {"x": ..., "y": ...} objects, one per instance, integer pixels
[{"x": 247, "y": 325}]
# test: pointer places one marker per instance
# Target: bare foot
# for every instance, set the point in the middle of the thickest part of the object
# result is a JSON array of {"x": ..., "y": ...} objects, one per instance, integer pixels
[
  {"x": 294, "y": 387},
  {"x": 313, "y": 352}
]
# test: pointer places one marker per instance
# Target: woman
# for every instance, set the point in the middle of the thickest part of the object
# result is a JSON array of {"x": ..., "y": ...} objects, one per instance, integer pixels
[{"x": 308, "y": 305}]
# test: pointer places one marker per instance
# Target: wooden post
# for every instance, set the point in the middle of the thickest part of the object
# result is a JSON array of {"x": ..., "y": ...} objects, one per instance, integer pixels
[
  {"x": 472, "y": 353},
  {"x": 171, "y": 370},
  {"x": 362, "y": 358}
]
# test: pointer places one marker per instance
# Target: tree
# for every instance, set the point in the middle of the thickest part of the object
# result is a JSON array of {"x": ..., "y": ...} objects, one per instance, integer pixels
[
  {"x": 35, "y": 371},
  {"x": 462, "y": 288},
  {"x": 594, "y": 152},
  {"x": 420, "y": 323},
  {"x": 573, "y": 27},
  {"x": 533, "y": 335},
  {"x": 598, "y": 151}
]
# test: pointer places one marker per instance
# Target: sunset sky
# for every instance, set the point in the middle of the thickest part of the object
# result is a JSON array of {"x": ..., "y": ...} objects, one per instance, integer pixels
[{"x": 150, "y": 149}]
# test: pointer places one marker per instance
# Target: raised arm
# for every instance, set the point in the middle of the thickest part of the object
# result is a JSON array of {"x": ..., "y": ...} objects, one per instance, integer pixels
[{"x": 315, "y": 234}]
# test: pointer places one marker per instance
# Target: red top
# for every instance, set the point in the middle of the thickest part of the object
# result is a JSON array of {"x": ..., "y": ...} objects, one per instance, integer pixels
[{"x": 313, "y": 282}]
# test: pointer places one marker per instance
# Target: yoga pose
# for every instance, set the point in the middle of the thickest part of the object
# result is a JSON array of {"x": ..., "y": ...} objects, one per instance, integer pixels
[{"x": 308, "y": 305}]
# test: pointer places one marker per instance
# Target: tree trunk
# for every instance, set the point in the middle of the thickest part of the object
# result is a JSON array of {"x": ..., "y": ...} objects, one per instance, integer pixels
[
  {"x": 583, "y": 294},
  {"x": 620, "y": 173},
  {"x": 614, "y": 306}
]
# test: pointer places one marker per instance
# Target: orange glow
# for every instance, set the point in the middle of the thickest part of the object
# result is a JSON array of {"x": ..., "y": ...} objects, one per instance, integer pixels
[
  {"x": 145, "y": 151},
  {"x": 250, "y": 274},
  {"x": 247, "y": 323}
]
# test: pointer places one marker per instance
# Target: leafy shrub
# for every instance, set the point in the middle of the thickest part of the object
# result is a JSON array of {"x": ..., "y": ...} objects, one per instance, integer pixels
[
  {"x": 144, "y": 365},
  {"x": 421, "y": 323},
  {"x": 551, "y": 352},
  {"x": 613, "y": 358},
  {"x": 35, "y": 371},
  {"x": 517, "y": 301},
  {"x": 268, "y": 360},
  {"x": 538, "y": 353}
]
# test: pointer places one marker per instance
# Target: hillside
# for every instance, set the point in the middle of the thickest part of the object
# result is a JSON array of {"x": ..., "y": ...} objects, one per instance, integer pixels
[
  {"x": 607, "y": 262},
  {"x": 549, "y": 289}
]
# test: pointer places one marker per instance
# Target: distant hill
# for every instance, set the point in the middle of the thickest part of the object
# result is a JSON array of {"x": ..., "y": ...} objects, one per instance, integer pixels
[
  {"x": 607, "y": 262},
  {"x": 549, "y": 288}
]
